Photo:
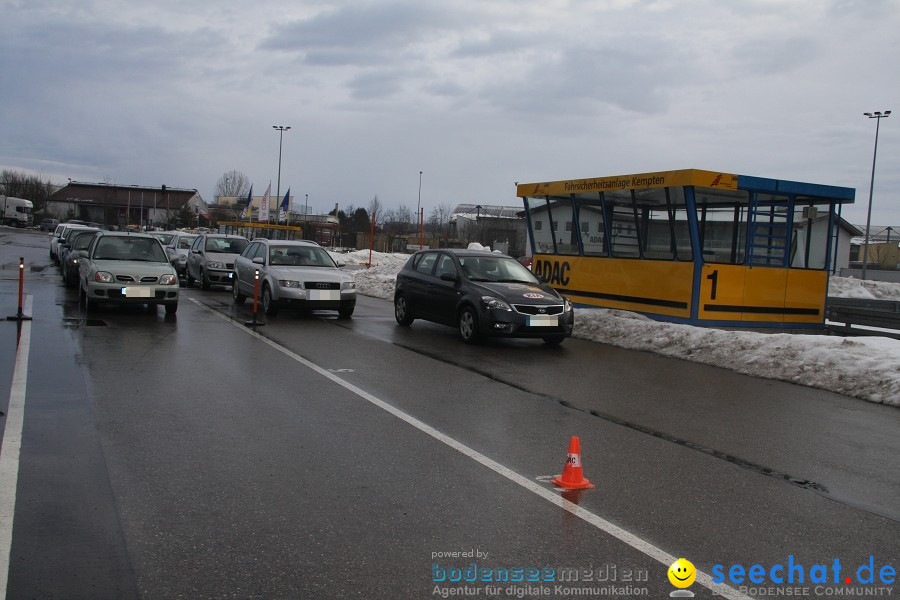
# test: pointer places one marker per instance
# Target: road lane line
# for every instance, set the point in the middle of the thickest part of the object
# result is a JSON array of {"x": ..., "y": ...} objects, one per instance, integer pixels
[
  {"x": 615, "y": 531},
  {"x": 12, "y": 445}
]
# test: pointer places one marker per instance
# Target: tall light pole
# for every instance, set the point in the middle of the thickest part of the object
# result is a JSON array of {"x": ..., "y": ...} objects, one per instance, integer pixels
[
  {"x": 418, "y": 210},
  {"x": 281, "y": 129},
  {"x": 877, "y": 116}
]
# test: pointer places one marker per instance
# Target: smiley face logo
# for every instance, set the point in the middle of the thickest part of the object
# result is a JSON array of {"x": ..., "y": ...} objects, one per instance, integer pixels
[{"x": 682, "y": 573}]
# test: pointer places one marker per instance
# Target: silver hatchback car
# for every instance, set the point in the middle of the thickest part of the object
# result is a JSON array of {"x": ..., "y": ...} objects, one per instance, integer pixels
[
  {"x": 293, "y": 274},
  {"x": 211, "y": 259}
]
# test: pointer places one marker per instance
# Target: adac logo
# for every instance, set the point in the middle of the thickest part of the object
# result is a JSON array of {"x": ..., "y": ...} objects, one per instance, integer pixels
[{"x": 682, "y": 574}]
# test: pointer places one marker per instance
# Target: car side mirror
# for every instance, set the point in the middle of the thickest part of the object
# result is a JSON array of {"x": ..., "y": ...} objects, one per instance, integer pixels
[
  {"x": 259, "y": 260},
  {"x": 449, "y": 277},
  {"x": 195, "y": 252},
  {"x": 340, "y": 263}
]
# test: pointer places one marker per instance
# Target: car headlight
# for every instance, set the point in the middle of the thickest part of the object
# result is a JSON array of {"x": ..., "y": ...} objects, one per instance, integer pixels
[
  {"x": 214, "y": 264},
  {"x": 103, "y": 277},
  {"x": 495, "y": 303},
  {"x": 168, "y": 280},
  {"x": 289, "y": 283},
  {"x": 348, "y": 285},
  {"x": 566, "y": 304}
]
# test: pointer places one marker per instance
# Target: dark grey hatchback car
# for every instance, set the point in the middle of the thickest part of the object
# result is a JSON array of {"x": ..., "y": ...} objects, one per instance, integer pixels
[{"x": 481, "y": 294}]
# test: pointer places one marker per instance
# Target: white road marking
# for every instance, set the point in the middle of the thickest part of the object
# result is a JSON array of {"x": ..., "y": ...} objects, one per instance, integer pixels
[
  {"x": 600, "y": 523},
  {"x": 12, "y": 446}
]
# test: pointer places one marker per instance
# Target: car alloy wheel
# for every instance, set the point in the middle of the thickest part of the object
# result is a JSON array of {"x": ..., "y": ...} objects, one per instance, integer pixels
[
  {"x": 401, "y": 311},
  {"x": 468, "y": 325},
  {"x": 239, "y": 298},
  {"x": 268, "y": 305}
]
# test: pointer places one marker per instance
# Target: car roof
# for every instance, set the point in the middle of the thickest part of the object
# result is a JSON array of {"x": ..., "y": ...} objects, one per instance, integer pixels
[
  {"x": 222, "y": 235},
  {"x": 132, "y": 234},
  {"x": 307, "y": 243},
  {"x": 467, "y": 252}
]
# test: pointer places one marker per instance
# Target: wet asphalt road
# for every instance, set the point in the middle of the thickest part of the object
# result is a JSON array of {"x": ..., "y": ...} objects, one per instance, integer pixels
[{"x": 167, "y": 458}]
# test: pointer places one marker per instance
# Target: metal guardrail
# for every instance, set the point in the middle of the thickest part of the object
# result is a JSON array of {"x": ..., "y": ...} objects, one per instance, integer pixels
[{"x": 856, "y": 313}]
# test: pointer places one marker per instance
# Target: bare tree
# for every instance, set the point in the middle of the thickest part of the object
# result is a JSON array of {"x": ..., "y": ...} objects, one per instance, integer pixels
[
  {"x": 19, "y": 184},
  {"x": 376, "y": 209},
  {"x": 232, "y": 184},
  {"x": 438, "y": 221}
]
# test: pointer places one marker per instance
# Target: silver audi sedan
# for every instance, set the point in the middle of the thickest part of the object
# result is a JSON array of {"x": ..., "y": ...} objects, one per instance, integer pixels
[{"x": 292, "y": 274}]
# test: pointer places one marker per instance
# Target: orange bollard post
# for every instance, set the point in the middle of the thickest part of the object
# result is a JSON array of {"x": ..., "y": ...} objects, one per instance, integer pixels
[
  {"x": 254, "y": 322},
  {"x": 20, "y": 316}
]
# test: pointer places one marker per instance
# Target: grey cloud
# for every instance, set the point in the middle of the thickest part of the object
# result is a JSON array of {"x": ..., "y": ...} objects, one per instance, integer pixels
[
  {"x": 772, "y": 55},
  {"x": 349, "y": 32}
]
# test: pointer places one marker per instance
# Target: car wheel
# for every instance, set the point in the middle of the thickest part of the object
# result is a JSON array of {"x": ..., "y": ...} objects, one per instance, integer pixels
[
  {"x": 84, "y": 299},
  {"x": 468, "y": 325},
  {"x": 269, "y": 306},
  {"x": 171, "y": 309},
  {"x": 554, "y": 340},
  {"x": 345, "y": 312},
  {"x": 204, "y": 282},
  {"x": 401, "y": 311},
  {"x": 239, "y": 298}
]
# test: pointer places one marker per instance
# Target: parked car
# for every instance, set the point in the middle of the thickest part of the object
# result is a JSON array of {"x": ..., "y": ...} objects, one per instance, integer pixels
[
  {"x": 59, "y": 237},
  {"x": 127, "y": 268},
  {"x": 481, "y": 294},
  {"x": 73, "y": 252},
  {"x": 293, "y": 274},
  {"x": 49, "y": 224},
  {"x": 211, "y": 259},
  {"x": 178, "y": 248}
]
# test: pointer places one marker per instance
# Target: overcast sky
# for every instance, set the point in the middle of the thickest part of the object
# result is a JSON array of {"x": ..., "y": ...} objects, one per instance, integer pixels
[{"x": 477, "y": 94}]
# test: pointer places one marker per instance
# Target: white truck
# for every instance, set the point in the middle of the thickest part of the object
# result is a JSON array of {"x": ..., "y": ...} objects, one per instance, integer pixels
[{"x": 16, "y": 212}]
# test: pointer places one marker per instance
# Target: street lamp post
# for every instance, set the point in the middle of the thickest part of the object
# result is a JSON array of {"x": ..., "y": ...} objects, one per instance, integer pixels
[
  {"x": 877, "y": 116},
  {"x": 419, "y": 219},
  {"x": 281, "y": 129}
]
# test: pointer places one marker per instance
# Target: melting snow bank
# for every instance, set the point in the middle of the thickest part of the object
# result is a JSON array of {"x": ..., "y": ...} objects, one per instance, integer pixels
[
  {"x": 865, "y": 367},
  {"x": 850, "y": 287}
]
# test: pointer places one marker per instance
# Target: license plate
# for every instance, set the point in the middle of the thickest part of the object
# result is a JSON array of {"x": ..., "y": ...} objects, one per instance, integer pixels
[
  {"x": 324, "y": 294},
  {"x": 138, "y": 292},
  {"x": 543, "y": 321}
]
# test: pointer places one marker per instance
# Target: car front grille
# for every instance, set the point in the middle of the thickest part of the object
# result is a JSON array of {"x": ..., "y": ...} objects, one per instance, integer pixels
[
  {"x": 538, "y": 309},
  {"x": 124, "y": 278},
  {"x": 149, "y": 279},
  {"x": 229, "y": 266},
  {"x": 322, "y": 285}
]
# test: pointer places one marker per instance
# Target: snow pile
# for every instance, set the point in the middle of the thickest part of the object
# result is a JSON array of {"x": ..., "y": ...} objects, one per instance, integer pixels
[
  {"x": 865, "y": 367},
  {"x": 850, "y": 287}
]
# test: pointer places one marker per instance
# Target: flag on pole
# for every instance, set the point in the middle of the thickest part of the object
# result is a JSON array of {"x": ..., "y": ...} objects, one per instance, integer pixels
[
  {"x": 282, "y": 210},
  {"x": 264, "y": 205},
  {"x": 245, "y": 214}
]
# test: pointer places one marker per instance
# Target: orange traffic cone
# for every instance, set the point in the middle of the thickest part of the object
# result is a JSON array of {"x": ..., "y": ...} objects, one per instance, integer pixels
[{"x": 572, "y": 477}]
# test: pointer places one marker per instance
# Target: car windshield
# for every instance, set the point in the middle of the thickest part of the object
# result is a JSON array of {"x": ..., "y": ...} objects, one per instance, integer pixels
[
  {"x": 186, "y": 241},
  {"x": 83, "y": 240},
  {"x": 499, "y": 269},
  {"x": 165, "y": 238},
  {"x": 227, "y": 245},
  {"x": 129, "y": 248},
  {"x": 300, "y": 256}
]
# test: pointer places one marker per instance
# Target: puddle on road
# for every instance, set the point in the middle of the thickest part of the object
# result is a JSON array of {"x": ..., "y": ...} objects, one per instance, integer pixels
[{"x": 75, "y": 323}]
